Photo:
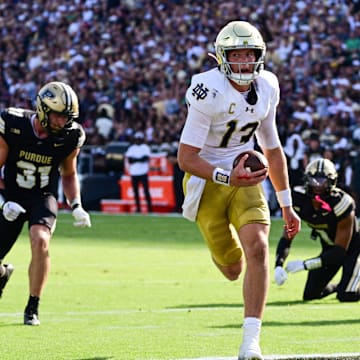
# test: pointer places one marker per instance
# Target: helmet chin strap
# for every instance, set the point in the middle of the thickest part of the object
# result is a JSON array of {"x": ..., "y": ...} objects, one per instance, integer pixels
[
  {"x": 239, "y": 80},
  {"x": 214, "y": 57},
  {"x": 47, "y": 126}
]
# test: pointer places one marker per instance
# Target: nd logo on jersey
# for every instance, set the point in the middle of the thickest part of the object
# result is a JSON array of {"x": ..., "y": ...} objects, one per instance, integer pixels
[{"x": 200, "y": 92}]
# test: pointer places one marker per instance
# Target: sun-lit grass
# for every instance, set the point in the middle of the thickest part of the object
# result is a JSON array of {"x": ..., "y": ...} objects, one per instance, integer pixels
[{"x": 144, "y": 287}]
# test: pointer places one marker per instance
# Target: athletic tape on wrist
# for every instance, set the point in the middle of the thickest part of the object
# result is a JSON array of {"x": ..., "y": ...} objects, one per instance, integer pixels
[
  {"x": 284, "y": 198},
  {"x": 312, "y": 264},
  {"x": 2, "y": 198},
  {"x": 221, "y": 176},
  {"x": 2, "y": 201}
]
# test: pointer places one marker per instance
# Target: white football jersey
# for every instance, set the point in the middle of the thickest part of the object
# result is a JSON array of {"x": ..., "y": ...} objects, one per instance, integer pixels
[{"x": 222, "y": 123}]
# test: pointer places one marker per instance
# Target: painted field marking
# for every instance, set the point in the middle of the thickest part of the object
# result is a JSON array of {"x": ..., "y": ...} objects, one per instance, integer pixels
[{"x": 339, "y": 356}]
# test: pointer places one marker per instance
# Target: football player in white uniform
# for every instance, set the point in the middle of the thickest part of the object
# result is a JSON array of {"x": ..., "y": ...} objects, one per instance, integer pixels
[{"x": 228, "y": 107}]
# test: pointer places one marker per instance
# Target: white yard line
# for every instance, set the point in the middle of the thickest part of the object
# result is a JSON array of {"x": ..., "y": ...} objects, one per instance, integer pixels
[{"x": 339, "y": 356}]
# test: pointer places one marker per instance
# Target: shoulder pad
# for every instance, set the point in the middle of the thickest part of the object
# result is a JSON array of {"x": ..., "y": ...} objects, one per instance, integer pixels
[
  {"x": 270, "y": 77},
  {"x": 205, "y": 93},
  {"x": 82, "y": 137},
  {"x": 270, "y": 83},
  {"x": 345, "y": 203},
  {"x": 17, "y": 112},
  {"x": 11, "y": 115},
  {"x": 77, "y": 129}
]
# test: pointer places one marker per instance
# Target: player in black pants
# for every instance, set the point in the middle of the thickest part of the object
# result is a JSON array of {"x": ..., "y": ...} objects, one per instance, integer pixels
[
  {"x": 35, "y": 149},
  {"x": 330, "y": 213}
]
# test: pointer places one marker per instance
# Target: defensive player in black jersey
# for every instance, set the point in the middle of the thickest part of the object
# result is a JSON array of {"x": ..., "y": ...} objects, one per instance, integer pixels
[
  {"x": 330, "y": 213},
  {"x": 35, "y": 149}
]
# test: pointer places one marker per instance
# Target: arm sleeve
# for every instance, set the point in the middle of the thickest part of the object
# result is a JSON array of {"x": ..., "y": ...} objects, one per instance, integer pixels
[
  {"x": 282, "y": 251},
  {"x": 333, "y": 256}
]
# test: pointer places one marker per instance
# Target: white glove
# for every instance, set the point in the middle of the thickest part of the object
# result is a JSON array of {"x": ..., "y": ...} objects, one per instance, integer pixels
[
  {"x": 280, "y": 275},
  {"x": 295, "y": 266},
  {"x": 82, "y": 218},
  {"x": 11, "y": 210}
]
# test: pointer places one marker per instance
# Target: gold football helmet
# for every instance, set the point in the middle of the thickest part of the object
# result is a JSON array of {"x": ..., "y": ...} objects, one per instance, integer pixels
[
  {"x": 58, "y": 97},
  {"x": 240, "y": 35},
  {"x": 320, "y": 177}
]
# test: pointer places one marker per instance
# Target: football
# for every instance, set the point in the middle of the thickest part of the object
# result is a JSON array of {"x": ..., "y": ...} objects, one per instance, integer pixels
[{"x": 256, "y": 160}]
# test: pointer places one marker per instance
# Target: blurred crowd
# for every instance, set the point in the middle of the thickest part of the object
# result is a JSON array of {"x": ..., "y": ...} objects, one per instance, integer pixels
[{"x": 131, "y": 61}]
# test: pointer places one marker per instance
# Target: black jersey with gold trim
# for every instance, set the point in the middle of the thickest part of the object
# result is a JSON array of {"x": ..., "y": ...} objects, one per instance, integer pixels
[
  {"x": 324, "y": 221},
  {"x": 32, "y": 165}
]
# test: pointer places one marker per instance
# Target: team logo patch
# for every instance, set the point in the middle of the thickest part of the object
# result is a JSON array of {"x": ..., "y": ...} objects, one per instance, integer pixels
[
  {"x": 47, "y": 94},
  {"x": 200, "y": 91}
]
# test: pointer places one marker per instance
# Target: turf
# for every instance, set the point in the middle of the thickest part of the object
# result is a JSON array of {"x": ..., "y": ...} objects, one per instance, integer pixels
[{"x": 144, "y": 287}]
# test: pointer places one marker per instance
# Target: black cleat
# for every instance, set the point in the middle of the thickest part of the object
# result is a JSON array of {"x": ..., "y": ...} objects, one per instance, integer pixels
[
  {"x": 4, "y": 279},
  {"x": 31, "y": 318}
]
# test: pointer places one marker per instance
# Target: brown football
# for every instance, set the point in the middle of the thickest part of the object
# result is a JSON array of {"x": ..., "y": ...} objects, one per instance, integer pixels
[{"x": 256, "y": 160}]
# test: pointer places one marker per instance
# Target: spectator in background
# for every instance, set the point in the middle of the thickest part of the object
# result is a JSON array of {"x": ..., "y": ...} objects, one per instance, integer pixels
[
  {"x": 104, "y": 121},
  {"x": 315, "y": 52},
  {"x": 294, "y": 150},
  {"x": 355, "y": 174},
  {"x": 178, "y": 176},
  {"x": 138, "y": 162},
  {"x": 314, "y": 149}
]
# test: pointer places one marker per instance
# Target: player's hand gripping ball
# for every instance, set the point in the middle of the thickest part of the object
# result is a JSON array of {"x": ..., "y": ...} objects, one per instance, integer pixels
[{"x": 255, "y": 162}]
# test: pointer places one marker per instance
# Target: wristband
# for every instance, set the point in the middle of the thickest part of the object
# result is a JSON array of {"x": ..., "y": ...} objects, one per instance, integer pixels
[
  {"x": 284, "y": 198},
  {"x": 312, "y": 264},
  {"x": 75, "y": 203},
  {"x": 221, "y": 176}
]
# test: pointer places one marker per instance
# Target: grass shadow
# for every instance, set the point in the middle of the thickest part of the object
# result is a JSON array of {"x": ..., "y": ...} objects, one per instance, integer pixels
[
  {"x": 296, "y": 323},
  {"x": 202, "y": 306}
]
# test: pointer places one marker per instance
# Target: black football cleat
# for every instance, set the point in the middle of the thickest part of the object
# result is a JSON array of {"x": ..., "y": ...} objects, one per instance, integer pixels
[
  {"x": 4, "y": 279},
  {"x": 31, "y": 318}
]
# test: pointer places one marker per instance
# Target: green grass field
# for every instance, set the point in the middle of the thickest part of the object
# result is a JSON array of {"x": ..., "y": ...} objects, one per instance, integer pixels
[{"x": 144, "y": 287}]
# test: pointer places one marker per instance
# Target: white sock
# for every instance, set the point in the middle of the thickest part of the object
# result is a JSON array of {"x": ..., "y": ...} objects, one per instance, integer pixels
[
  {"x": 252, "y": 327},
  {"x": 252, "y": 322}
]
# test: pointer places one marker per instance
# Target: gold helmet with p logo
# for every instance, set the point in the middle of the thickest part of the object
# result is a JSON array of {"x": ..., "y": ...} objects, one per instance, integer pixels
[
  {"x": 58, "y": 97},
  {"x": 320, "y": 177}
]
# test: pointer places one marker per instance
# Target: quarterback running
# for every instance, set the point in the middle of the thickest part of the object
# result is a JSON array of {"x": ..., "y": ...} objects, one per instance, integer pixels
[
  {"x": 230, "y": 109},
  {"x": 35, "y": 149}
]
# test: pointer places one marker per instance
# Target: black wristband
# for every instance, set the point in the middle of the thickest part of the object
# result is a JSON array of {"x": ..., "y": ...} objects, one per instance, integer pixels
[{"x": 75, "y": 203}]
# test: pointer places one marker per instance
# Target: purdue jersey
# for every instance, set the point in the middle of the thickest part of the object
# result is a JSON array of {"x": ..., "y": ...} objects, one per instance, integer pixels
[
  {"x": 32, "y": 165},
  {"x": 322, "y": 221},
  {"x": 222, "y": 122}
]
